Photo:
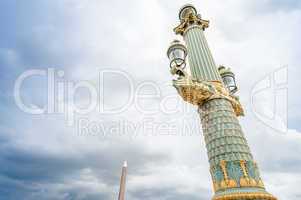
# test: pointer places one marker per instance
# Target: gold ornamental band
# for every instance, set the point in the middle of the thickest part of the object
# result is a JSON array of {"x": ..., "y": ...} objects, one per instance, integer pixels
[{"x": 246, "y": 196}]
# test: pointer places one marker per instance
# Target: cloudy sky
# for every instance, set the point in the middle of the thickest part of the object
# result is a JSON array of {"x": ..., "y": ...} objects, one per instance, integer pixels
[{"x": 125, "y": 107}]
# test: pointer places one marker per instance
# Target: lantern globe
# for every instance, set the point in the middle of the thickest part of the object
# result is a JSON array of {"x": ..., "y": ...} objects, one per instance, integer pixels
[
  {"x": 228, "y": 78},
  {"x": 177, "y": 53},
  {"x": 186, "y": 10}
]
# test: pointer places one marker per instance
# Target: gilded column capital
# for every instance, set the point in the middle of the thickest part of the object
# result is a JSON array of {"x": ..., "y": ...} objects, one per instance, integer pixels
[
  {"x": 189, "y": 21},
  {"x": 189, "y": 16}
]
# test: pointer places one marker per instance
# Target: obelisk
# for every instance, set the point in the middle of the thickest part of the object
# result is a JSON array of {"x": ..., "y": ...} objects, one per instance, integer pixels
[{"x": 123, "y": 182}]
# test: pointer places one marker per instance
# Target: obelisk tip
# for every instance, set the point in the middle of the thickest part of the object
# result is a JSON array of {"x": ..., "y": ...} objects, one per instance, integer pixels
[{"x": 125, "y": 164}]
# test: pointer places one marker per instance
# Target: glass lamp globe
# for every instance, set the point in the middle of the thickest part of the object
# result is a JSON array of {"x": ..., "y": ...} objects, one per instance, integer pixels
[
  {"x": 186, "y": 10},
  {"x": 177, "y": 53},
  {"x": 228, "y": 79}
]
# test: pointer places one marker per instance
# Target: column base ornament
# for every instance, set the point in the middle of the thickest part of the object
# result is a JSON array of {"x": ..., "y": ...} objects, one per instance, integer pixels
[
  {"x": 235, "y": 175},
  {"x": 246, "y": 196}
]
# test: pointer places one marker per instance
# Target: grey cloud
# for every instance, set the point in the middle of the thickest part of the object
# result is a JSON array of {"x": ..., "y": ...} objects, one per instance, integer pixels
[
  {"x": 32, "y": 171},
  {"x": 167, "y": 194}
]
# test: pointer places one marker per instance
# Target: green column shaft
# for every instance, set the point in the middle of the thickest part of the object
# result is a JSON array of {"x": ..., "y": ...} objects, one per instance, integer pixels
[
  {"x": 225, "y": 141},
  {"x": 222, "y": 132},
  {"x": 200, "y": 59},
  {"x": 224, "y": 138}
]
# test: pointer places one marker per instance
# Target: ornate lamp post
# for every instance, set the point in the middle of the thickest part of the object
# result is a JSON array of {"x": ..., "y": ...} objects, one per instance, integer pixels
[{"x": 235, "y": 174}]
